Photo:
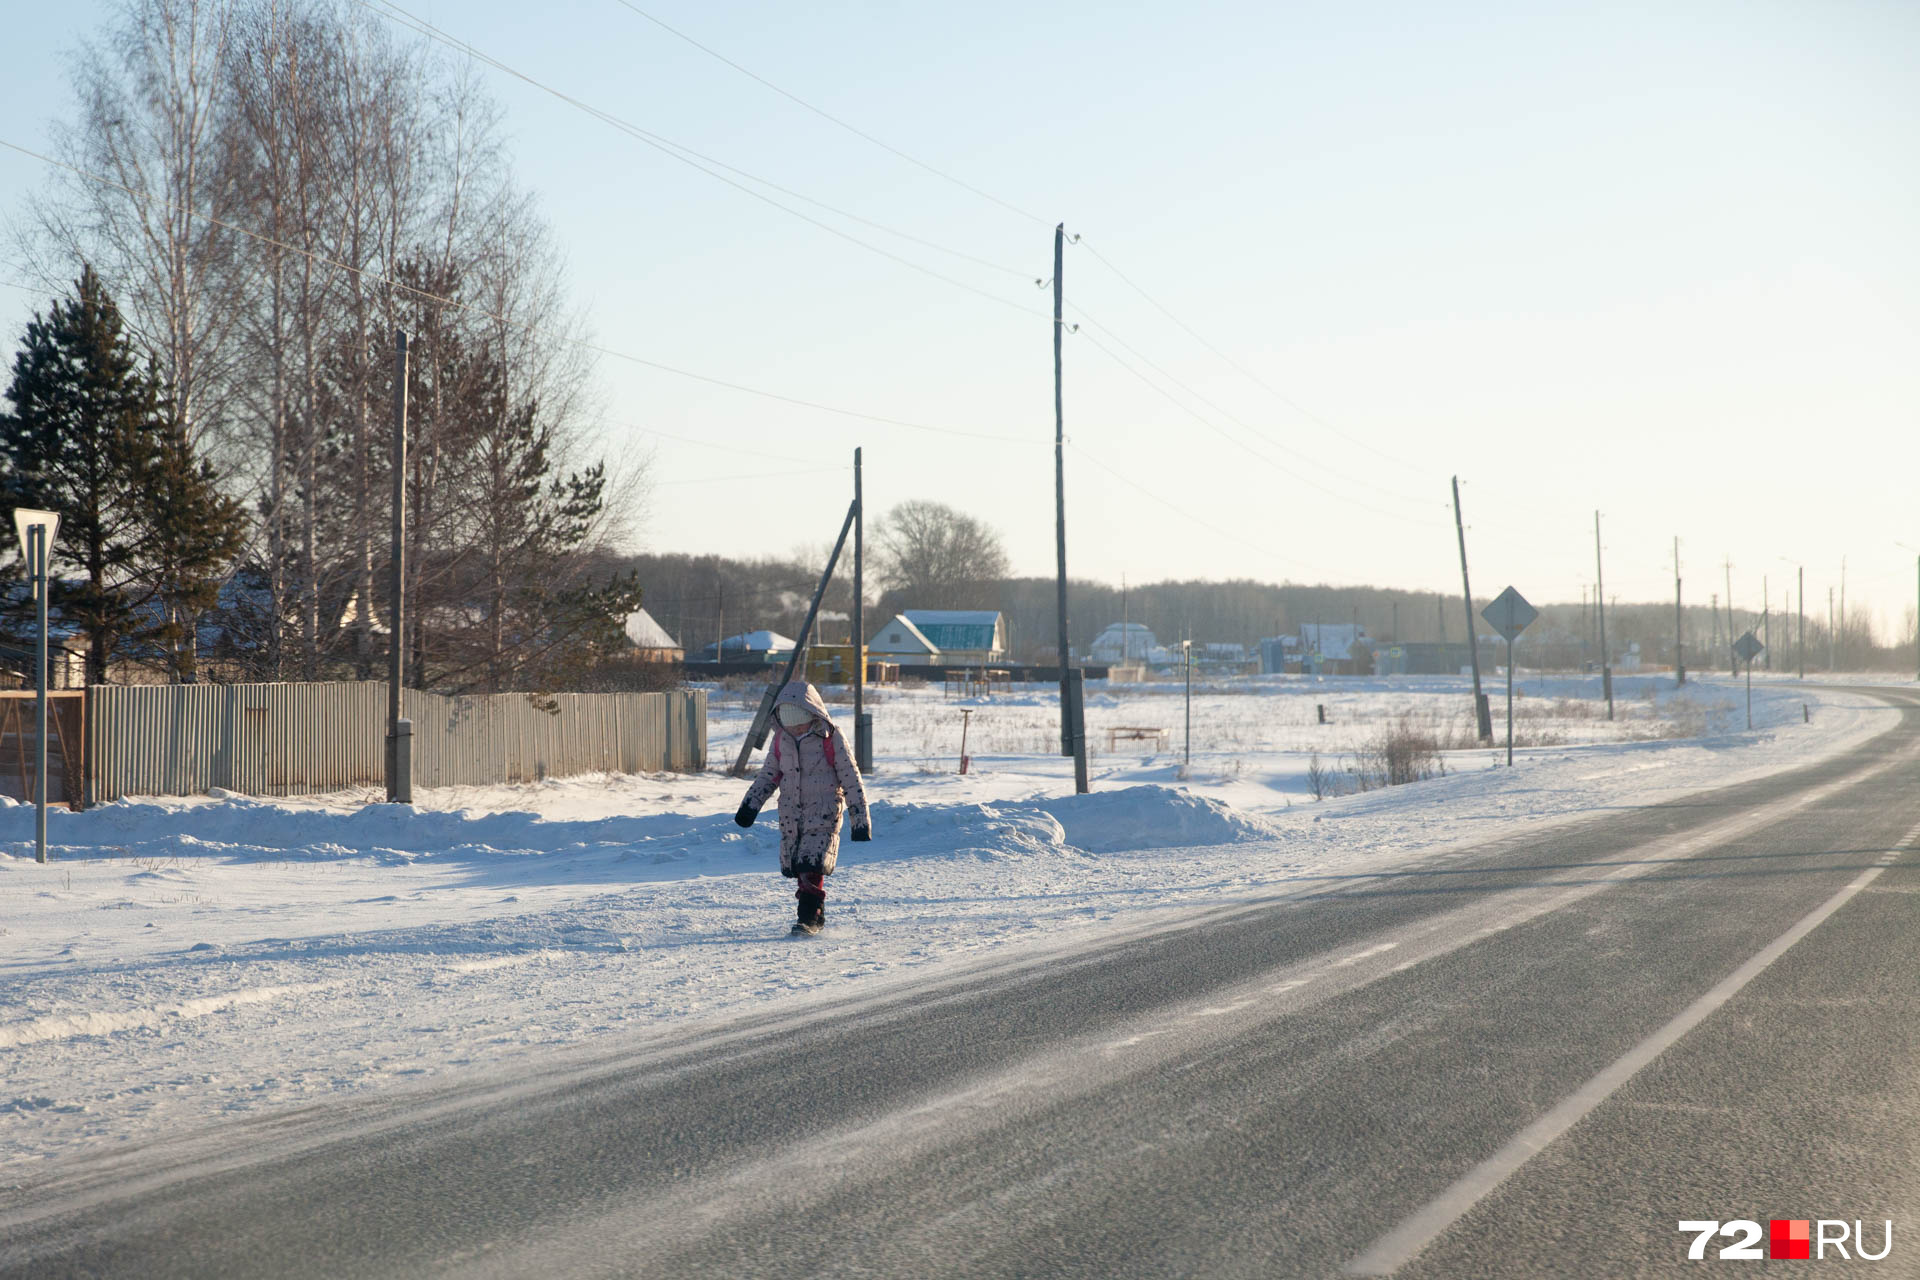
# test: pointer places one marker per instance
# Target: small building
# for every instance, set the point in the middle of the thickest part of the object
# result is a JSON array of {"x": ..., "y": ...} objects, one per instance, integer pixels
[
  {"x": 650, "y": 640},
  {"x": 1335, "y": 649},
  {"x": 963, "y": 636},
  {"x": 900, "y": 641},
  {"x": 749, "y": 646},
  {"x": 1128, "y": 643}
]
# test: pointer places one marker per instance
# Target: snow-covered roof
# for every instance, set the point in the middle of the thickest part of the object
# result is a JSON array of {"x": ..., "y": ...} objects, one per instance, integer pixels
[
  {"x": 759, "y": 642},
  {"x": 901, "y": 636},
  {"x": 645, "y": 633}
]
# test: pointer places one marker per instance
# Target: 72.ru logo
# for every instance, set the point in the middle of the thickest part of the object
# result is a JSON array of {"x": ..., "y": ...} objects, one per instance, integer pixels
[{"x": 1787, "y": 1238}]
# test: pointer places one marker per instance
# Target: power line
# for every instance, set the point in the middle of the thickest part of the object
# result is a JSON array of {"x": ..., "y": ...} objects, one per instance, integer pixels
[
  {"x": 1248, "y": 373},
  {"x": 1234, "y": 418},
  {"x": 473, "y": 309},
  {"x": 709, "y": 165},
  {"x": 1183, "y": 512},
  {"x": 1208, "y": 423},
  {"x": 833, "y": 119}
]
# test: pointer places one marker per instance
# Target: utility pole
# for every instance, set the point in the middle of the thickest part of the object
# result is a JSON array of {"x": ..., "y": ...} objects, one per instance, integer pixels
[
  {"x": 1679, "y": 623},
  {"x": 862, "y": 726},
  {"x": 1072, "y": 733},
  {"x": 1600, "y": 597},
  {"x": 399, "y": 731},
  {"x": 1829, "y": 630},
  {"x": 1396, "y": 622},
  {"x": 1713, "y": 611},
  {"x": 1733, "y": 668},
  {"x": 1766, "y": 620},
  {"x": 1843, "y": 602},
  {"x": 1800, "y": 649},
  {"x": 1482, "y": 713}
]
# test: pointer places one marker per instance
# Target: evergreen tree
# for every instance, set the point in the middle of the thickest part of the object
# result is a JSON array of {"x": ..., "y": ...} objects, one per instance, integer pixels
[
  {"x": 78, "y": 441},
  {"x": 144, "y": 531}
]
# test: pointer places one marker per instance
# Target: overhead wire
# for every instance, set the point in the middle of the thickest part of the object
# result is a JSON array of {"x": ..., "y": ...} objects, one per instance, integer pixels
[
  {"x": 711, "y": 166},
  {"x": 1234, "y": 418},
  {"x": 475, "y": 309},
  {"x": 1245, "y": 372},
  {"x": 833, "y": 119},
  {"x": 1208, "y": 423}
]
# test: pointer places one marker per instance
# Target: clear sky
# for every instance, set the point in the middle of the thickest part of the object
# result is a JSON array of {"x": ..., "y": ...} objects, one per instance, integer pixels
[{"x": 1657, "y": 260}]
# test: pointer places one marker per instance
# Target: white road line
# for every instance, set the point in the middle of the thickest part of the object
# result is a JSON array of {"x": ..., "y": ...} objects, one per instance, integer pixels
[{"x": 1406, "y": 1241}]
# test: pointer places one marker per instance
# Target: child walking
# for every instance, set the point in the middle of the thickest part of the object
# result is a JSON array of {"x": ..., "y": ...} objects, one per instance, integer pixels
[{"x": 809, "y": 761}]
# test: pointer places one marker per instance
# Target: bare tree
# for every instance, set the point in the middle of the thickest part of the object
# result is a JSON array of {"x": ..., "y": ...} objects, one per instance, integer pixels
[{"x": 939, "y": 557}]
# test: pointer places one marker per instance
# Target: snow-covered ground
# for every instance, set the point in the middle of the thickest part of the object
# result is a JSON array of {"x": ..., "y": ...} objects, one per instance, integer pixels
[{"x": 178, "y": 961}]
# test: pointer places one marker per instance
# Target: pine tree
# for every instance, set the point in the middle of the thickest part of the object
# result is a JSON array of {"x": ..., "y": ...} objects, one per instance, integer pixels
[
  {"x": 79, "y": 441},
  {"x": 92, "y": 435},
  {"x": 195, "y": 533}
]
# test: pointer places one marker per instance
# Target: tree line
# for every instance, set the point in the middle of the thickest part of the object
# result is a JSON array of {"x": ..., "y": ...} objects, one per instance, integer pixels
[{"x": 260, "y": 193}]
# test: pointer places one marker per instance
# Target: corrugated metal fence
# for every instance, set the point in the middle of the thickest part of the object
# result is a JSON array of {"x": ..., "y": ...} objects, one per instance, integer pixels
[{"x": 302, "y": 739}]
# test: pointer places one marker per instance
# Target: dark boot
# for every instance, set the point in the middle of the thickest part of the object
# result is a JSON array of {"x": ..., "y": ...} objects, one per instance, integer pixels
[{"x": 812, "y": 912}]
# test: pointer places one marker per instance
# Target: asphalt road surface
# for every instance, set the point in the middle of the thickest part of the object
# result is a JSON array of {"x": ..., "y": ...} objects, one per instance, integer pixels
[{"x": 1531, "y": 1058}]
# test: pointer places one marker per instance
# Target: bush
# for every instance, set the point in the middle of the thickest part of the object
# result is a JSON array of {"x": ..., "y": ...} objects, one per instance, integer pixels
[{"x": 1404, "y": 752}]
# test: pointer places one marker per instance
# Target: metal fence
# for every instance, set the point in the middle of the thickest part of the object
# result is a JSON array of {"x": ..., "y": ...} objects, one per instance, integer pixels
[{"x": 303, "y": 739}]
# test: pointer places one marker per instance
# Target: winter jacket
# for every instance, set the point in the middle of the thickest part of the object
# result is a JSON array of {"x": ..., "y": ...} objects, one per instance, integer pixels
[{"x": 813, "y": 770}]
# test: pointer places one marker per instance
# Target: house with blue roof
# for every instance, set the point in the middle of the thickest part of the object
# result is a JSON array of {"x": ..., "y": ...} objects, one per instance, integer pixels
[{"x": 952, "y": 637}]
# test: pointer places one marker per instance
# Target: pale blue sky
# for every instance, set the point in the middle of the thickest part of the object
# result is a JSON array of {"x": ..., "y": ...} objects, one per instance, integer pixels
[{"x": 1655, "y": 259}]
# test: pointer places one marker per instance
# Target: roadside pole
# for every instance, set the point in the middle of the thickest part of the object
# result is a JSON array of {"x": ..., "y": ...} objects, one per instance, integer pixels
[
  {"x": 1746, "y": 649},
  {"x": 37, "y": 530},
  {"x": 1510, "y": 614},
  {"x": 399, "y": 760},
  {"x": 1483, "y": 721}
]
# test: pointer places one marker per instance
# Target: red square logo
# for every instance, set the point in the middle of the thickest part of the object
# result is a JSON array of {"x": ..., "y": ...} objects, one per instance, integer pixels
[{"x": 1791, "y": 1238}]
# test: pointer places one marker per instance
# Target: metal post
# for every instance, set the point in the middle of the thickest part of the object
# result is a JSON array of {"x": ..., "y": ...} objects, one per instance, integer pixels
[
  {"x": 37, "y": 541},
  {"x": 1187, "y": 751},
  {"x": 1482, "y": 721},
  {"x": 1509, "y": 702},
  {"x": 1679, "y": 624},
  {"x": 399, "y": 731},
  {"x": 1749, "y": 693},
  {"x": 1600, "y": 599}
]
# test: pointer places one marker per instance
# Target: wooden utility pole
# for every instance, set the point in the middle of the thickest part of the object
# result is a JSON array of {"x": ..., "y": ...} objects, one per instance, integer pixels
[
  {"x": 1072, "y": 739},
  {"x": 1679, "y": 624},
  {"x": 1829, "y": 630},
  {"x": 1733, "y": 663},
  {"x": 1800, "y": 649},
  {"x": 1600, "y": 598},
  {"x": 862, "y": 732},
  {"x": 1766, "y": 620},
  {"x": 1482, "y": 714},
  {"x": 399, "y": 731},
  {"x": 1843, "y": 603}
]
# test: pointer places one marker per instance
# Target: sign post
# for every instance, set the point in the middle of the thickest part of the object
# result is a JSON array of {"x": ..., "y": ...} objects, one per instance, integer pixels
[
  {"x": 37, "y": 530},
  {"x": 1510, "y": 614},
  {"x": 1746, "y": 648}
]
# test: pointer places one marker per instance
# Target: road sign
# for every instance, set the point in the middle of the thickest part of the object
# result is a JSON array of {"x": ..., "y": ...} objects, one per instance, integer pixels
[
  {"x": 1746, "y": 648},
  {"x": 1510, "y": 614},
  {"x": 24, "y": 519}
]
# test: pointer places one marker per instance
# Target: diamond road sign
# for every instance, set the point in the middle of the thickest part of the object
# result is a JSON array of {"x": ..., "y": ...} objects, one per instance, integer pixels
[
  {"x": 1746, "y": 648},
  {"x": 1510, "y": 614}
]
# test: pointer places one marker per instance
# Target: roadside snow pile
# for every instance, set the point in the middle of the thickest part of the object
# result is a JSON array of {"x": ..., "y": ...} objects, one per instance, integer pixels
[{"x": 1131, "y": 818}]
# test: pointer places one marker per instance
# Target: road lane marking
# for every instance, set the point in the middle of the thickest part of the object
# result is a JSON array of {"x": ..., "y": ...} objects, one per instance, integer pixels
[{"x": 1406, "y": 1241}]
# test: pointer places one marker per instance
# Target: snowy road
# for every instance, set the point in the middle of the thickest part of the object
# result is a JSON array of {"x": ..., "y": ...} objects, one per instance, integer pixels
[{"x": 1532, "y": 1057}]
